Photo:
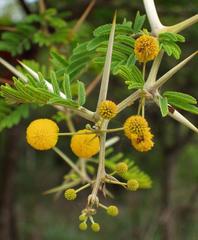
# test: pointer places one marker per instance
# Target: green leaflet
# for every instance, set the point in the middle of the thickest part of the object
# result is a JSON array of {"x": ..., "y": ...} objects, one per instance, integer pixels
[
  {"x": 182, "y": 100},
  {"x": 67, "y": 87},
  {"x": 168, "y": 43},
  {"x": 55, "y": 84},
  {"x": 36, "y": 91},
  {"x": 184, "y": 106},
  {"x": 139, "y": 22},
  {"x": 131, "y": 74},
  {"x": 10, "y": 116},
  {"x": 163, "y": 103},
  {"x": 125, "y": 28},
  {"x": 183, "y": 97},
  {"x": 81, "y": 93}
]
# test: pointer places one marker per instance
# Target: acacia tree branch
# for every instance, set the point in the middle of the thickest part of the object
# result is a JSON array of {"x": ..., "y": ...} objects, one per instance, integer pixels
[{"x": 152, "y": 15}]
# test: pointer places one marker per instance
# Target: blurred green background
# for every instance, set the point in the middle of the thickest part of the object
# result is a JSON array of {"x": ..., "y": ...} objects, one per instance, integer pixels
[{"x": 168, "y": 211}]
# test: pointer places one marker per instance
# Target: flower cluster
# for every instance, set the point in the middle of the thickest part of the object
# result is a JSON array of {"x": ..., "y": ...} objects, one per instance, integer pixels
[
  {"x": 107, "y": 109},
  {"x": 137, "y": 130},
  {"x": 146, "y": 48},
  {"x": 42, "y": 134},
  {"x": 85, "y": 144}
]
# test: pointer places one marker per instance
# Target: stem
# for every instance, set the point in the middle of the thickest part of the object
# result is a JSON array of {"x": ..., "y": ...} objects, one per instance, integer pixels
[
  {"x": 69, "y": 121},
  {"x": 101, "y": 167},
  {"x": 116, "y": 182},
  {"x": 143, "y": 106},
  {"x": 144, "y": 70},
  {"x": 62, "y": 187},
  {"x": 83, "y": 187},
  {"x": 93, "y": 131},
  {"x": 69, "y": 162},
  {"x": 102, "y": 206},
  {"x": 152, "y": 16},
  {"x": 129, "y": 100},
  {"x": 82, "y": 18},
  {"x": 154, "y": 70},
  {"x": 42, "y": 6},
  {"x": 93, "y": 84}
]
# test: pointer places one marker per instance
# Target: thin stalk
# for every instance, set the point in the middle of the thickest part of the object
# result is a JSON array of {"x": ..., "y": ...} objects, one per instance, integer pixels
[
  {"x": 93, "y": 199},
  {"x": 129, "y": 100},
  {"x": 69, "y": 162},
  {"x": 83, "y": 187},
  {"x": 69, "y": 121},
  {"x": 63, "y": 187},
  {"x": 143, "y": 106},
  {"x": 82, "y": 18},
  {"x": 93, "y": 131},
  {"x": 144, "y": 70}
]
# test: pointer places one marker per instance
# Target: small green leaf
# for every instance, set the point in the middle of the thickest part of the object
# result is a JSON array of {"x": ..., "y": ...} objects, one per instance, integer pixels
[
  {"x": 67, "y": 86},
  {"x": 182, "y": 97},
  {"x": 138, "y": 23},
  {"x": 163, "y": 102},
  {"x": 81, "y": 93},
  {"x": 55, "y": 83},
  {"x": 184, "y": 106}
]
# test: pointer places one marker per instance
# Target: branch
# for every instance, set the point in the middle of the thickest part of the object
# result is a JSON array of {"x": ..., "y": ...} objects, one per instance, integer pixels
[
  {"x": 170, "y": 73},
  {"x": 129, "y": 100},
  {"x": 152, "y": 16},
  {"x": 81, "y": 111},
  {"x": 82, "y": 18}
]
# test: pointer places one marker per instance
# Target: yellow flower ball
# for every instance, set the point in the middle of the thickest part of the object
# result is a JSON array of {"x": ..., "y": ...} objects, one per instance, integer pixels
[
  {"x": 85, "y": 145},
  {"x": 70, "y": 194},
  {"x": 83, "y": 226},
  {"x": 132, "y": 184},
  {"x": 142, "y": 143},
  {"x": 146, "y": 48},
  {"x": 112, "y": 211},
  {"x": 42, "y": 134},
  {"x": 121, "y": 168},
  {"x": 82, "y": 217},
  {"x": 95, "y": 227},
  {"x": 135, "y": 125},
  {"x": 107, "y": 109}
]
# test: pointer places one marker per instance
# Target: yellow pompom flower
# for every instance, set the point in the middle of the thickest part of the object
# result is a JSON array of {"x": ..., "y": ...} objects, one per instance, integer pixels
[
  {"x": 146, "y": 48},
  {"x": 112, "y": 211},
  {"x": 42, "y": 134},
  {"x": 95, "y": 227},
  {"x": 107, "y": 109},
  {"x": 142, "y": 143},
  {"x": 70, "y": 194},
  {"x": 82, "y": 217},
  {"x": 135, "y": 125},
  {"x": 132, "y": 184},
  {"x": 121, "y": 168},
  {"x": 85, "y": 145},
  {"x": 83, "y": 226}
]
